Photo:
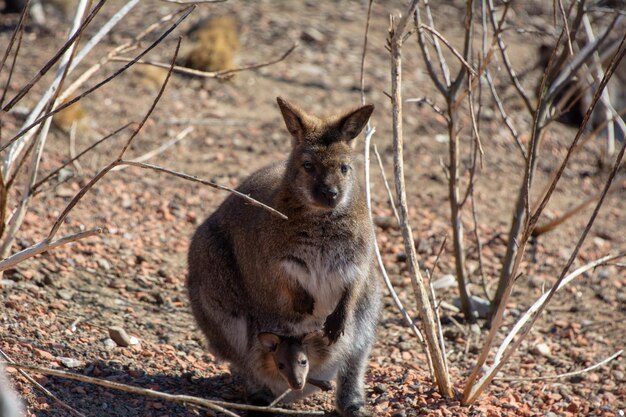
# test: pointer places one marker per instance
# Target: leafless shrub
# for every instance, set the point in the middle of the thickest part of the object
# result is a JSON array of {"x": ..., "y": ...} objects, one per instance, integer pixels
[{"x": 578, "y": 51}]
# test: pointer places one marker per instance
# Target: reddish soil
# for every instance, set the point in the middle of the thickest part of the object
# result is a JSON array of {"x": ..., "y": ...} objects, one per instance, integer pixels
[{"x": 60, "y": 304}]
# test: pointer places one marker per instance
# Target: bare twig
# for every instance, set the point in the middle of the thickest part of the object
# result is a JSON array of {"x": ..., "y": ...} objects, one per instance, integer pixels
[
  {"x": 280, "y": 397},
  {"x": 216, "y": 74},
  {"x": 421, "y": 100},
  {"x": 567, "y": 31},
  {"x": 181, "y": 136},
  {"x": 219, "y": 406},
  {"x": 567, "y": 374},
  {"x": 505, "y": 58},
  {"x": 396, "y": 34},
  {"x": 185, "y": 2},
  {"x": 44, "y": 246},
  {"x": 452, "y": 49},
  {"x": 77, "y": 157},
  {"x": 55, "y": 58},
  {"x": 386, "y": 183},
  {"x": 41, "y": 388},
  {"x": 101, "y": 83},
  {"x": 193, "y": 178},
  {"x": 18, "y": 32},
  {"x": 472, "y": 391},
  {"x": 367, "y": 28}
]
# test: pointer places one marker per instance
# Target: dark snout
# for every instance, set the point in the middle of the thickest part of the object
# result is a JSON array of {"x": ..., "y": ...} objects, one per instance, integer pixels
[
  {"x": 328, "y": 195},
  {"x": 296, "y": 383}
]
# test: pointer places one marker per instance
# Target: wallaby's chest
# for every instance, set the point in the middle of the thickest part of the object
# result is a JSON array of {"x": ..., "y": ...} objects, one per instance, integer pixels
[{"x": 324, "y": 261}]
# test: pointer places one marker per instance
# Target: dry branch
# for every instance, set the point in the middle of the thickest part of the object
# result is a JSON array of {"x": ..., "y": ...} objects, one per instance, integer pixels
[
  {"x": 216, "y": 74},
  {"x": 193, "y": 178},
  {"x": 396, "y": 33},
  {"x": 44, "y": 246},
  {"x": 219, "y": 406},
  {"x": 41, "y": 388},
  {"x": 98, "y": 85},
  {"x": 566, "y": 374},
  {"x": 473, "y": 390}
]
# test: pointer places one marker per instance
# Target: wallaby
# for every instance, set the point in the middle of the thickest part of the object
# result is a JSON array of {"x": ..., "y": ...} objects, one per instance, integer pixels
[
  {"x": 250, "y": 269},
  {"x": 9, "y": 403},
  {"x": 291, "y": 357}
]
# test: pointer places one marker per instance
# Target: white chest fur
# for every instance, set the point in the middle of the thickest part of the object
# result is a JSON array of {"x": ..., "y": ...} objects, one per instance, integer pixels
[{"x": 323, "y": 275}]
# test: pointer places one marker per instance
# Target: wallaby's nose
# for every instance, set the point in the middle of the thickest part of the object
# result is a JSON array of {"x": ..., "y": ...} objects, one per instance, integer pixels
[
  {"x": 330, "y": 193},
  {"x": 298, "y": 384}
]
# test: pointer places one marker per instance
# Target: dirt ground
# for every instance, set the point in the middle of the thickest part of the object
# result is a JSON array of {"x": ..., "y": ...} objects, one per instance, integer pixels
[{"x": 59, "y": 305}]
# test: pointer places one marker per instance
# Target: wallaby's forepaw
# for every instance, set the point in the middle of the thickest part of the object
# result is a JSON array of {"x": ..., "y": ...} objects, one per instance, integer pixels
[
  {"x": 356, "y": 411},
  {"x": 321, "y": 384},
  {"x": 333, "y": 329}
]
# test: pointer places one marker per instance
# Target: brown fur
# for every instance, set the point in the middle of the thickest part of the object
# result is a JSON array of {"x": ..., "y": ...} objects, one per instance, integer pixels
[
  {"x": 214, "y": 43},
  {"x": 291, "y": 357},
  {"x": 67, "y": 117},
  {"x": 249, "y": 269}
]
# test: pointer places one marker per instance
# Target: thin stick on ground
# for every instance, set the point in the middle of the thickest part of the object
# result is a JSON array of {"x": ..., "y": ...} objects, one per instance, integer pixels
[
  {"x": 219, "y": 406},
  {"x": 44, "y": 246},
  {"x": 41, "y": 388},
  {"x": 566, "y": 374}
]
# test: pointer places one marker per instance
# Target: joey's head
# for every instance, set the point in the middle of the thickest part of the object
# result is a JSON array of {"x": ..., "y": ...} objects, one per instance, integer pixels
[
  {"x": 289, "y": 356},
  {"x": 320, "y": 172}
]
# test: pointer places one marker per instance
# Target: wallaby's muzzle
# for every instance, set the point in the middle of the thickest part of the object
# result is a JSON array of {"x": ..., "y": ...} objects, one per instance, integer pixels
[{"x": 327, "y": 196}]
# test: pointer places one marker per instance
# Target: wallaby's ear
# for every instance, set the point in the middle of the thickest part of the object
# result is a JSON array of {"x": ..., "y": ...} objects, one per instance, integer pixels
[
  {"x": 269, "y": 341},
  {"x": 352, "y": 123},
  {"x": 312, "y": 337},
  {"x": 294, "y": 118}
]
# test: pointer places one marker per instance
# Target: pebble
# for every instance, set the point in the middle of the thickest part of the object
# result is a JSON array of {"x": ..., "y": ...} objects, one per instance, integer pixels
[
  {"x": 445, "y": 281},
  {"x": 109, "y": 343},
  {"x": 542, "y": 349},
  {"x": 380, "y": 388},
  {"x": 71, "y": 362},
  {"x": 119, "y": 336},
  {"x": 65, "y": 294},
  {"x": 384, "y": 222},
  {"x": 104, "y": 264}
]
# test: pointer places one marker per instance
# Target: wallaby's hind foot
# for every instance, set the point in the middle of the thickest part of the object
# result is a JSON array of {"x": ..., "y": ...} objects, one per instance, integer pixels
[
  {"x": 262, "y": 398},
  {"x": 356, "y": 411}
]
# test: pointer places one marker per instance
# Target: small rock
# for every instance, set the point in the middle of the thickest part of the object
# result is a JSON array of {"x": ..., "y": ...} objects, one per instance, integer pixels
[
  {"x": 120, "y": 336},
  {"x": 65, "y": 295},
  {"x": 401, "y": 257},
  {"x": 109, "y": 344},
  {"x": 445, "y": 281},
  {"x": 380, "y": 388},
  {"x": 542, "y": 349},
  {"x": 384, "y": 222},
  {"x": 312, "y": 35},
  {"x": 104, "y": 264},
  {"x": 423, "y": 246},
  {"x": 65, "y": 192},
  {"x": 71, "y": 362},
  {"x": 480, "y": 306}
]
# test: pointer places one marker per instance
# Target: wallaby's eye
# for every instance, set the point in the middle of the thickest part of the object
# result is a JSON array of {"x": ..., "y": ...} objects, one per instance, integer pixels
[
  {"x": 308, "y": 166},
  {"x": 344, "y": 168},
  {"x": 303, "y": 362},
  {"x": 281, "y": 366}
]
